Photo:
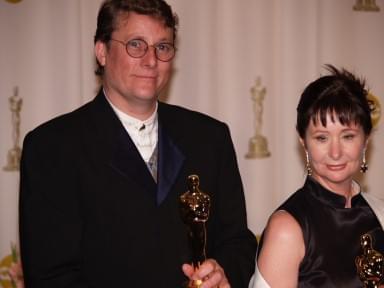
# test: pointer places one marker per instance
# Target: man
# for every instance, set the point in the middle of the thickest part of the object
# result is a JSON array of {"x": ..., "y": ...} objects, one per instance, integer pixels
[{"x": 100, "y": 186}]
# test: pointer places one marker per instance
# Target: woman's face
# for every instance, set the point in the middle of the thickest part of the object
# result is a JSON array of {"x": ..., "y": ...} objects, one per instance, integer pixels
[{"x": 335, "y": 152}]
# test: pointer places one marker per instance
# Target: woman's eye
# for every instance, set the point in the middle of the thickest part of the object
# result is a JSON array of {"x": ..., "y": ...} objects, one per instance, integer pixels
[
  {"x": 349, "y": 136},
  {"x": 321, "y": 138}
]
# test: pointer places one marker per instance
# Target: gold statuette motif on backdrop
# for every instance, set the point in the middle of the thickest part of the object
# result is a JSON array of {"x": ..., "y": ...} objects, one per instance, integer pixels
[
  {"x": 258, "y": 144},
  {"x": 14, "y": 154},
  {"x": 13, "y": 1},
  {"x": 374, "y": 104},
  {"x": 366, "y": 5}
]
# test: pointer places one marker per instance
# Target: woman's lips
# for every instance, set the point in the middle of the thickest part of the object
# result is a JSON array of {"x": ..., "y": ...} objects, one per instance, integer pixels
[{"x": 336, "y": 167}]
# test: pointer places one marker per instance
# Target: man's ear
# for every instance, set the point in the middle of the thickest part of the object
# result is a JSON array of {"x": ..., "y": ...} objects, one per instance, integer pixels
[{"x": 101, "y": 52}]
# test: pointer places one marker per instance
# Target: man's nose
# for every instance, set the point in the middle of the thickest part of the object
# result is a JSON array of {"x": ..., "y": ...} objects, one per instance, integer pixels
[{"x": 149, "y": 59}]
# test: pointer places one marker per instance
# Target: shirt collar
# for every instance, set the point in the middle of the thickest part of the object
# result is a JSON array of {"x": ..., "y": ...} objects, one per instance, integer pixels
[{"x": 133, "y": 122}]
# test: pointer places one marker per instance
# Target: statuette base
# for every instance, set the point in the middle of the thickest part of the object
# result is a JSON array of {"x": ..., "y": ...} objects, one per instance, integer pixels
[
  {"x": 195, "y": 284},
  {"x": 258, "y": 147},
  {"x": 13, "y": 159}
]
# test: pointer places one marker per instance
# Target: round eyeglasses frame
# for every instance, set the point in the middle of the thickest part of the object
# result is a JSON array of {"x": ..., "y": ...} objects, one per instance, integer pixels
[{"x": 137, "y": 48}]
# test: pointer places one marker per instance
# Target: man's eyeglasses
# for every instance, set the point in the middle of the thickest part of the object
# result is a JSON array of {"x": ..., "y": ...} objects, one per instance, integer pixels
[{"x": 137, "y": 48}]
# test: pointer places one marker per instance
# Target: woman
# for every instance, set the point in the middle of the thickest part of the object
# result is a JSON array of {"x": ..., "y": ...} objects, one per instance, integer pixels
[{"x": 314, "y": 238}]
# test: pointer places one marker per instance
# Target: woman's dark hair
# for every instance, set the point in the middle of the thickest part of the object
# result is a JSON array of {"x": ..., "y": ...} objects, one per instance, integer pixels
[
  {"x": 110, "y": 11},
  {"x": 341, "y": 94}
]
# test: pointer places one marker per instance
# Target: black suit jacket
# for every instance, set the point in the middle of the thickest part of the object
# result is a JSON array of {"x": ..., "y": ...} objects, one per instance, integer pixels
[{"x": 91, "y": 214}]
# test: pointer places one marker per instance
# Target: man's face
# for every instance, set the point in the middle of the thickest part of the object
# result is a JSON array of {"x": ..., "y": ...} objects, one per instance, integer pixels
[{"x": 129, "y": 81}]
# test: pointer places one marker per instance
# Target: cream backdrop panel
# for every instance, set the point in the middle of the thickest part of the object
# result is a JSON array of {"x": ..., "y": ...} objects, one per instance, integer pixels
[
  {"x": 46, "y": 50},
  {"x": 223, "y": 46}
]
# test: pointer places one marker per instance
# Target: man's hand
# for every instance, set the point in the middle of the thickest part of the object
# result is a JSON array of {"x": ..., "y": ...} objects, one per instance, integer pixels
[{"x": 210, "y": 272}]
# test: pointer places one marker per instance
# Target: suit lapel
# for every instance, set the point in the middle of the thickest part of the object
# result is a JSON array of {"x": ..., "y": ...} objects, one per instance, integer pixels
[
  {"x": 122, "y": 155},
  {"x": 170, "y": 162},
  {"x": 128, "y": 162},
  {"x": 117, "y": 148}
]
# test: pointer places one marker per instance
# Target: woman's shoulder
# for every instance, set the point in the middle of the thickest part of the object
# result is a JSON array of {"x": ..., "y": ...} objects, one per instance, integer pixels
[
  {"x": 277, "y": 263},
  {"x": 282, "y": 226}
]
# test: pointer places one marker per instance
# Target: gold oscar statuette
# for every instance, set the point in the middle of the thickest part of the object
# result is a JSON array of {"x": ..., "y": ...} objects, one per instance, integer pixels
[
  {"x": 14, "y": 154},
  {"x": 194, "y": 210},
  {"x": 258, "y": 144},
  {"x": 370, "y": 265}
]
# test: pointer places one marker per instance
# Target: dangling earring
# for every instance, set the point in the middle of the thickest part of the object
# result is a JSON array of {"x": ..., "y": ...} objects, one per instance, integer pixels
[
  {"x": 364, "y": 165},
  {"x": 307, "y": 165}
]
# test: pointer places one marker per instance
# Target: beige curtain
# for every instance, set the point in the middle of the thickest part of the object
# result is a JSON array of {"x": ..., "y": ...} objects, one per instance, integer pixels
[
  {"x": 223, "y": 47},
  {"x": 46, "y": 51}
]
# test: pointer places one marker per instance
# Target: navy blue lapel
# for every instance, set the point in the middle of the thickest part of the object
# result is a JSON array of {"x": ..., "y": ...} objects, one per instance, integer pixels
[
  {"x": 170, "y": 162},
  {"x": 128, "y": 162}
]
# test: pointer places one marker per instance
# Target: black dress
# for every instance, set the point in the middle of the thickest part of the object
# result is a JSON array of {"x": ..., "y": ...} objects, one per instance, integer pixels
[{"x": 331, "y": 235}]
